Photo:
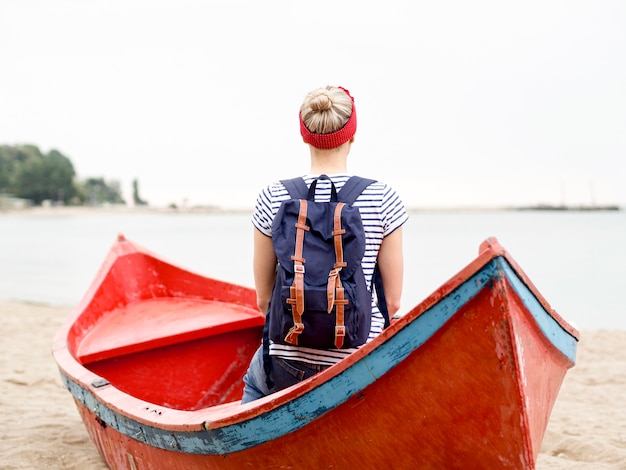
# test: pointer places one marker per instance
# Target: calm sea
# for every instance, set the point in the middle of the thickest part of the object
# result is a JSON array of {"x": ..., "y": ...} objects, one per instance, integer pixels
[{"x": 577, "y": 260}]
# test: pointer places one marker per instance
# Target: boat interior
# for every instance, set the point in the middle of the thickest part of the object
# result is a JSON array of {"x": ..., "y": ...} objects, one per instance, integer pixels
[{"x": 184, "y": 354}]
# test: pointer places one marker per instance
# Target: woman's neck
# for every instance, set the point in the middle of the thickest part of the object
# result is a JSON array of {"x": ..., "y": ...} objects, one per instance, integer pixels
[{"x": 332, "y": 161}]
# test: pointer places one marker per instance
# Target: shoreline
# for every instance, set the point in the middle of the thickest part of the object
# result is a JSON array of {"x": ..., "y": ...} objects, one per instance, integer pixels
[
  {"x": 42, "y": 428},
  {"x": 87, "y": 210},
  {"x": 121, "y": 209}
]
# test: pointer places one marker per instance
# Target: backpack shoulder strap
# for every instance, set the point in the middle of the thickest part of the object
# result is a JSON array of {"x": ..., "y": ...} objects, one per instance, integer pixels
[
  {"x": 348, "y": 194},
  {"x": 296, "y": 187},
  {"x": 377, "y": 284},
  {"x": 353, "y": 188}
]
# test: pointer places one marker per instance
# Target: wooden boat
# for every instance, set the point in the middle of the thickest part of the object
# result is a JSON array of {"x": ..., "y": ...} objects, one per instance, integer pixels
[{"x": 154, "y": 357}]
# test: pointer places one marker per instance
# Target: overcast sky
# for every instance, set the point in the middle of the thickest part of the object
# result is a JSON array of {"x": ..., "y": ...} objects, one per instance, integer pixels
[{"x": 460, "y": 103}]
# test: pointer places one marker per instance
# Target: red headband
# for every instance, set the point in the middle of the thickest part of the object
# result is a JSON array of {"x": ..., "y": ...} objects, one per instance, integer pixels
[{"x": 334, "y": 139}]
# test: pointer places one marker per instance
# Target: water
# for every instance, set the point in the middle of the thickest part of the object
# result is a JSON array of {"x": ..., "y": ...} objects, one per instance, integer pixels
[{"x": 577, "y": 260}]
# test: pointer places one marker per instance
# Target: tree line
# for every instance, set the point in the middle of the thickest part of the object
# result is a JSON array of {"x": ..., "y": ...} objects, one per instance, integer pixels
[{"x": 27, "y": 173}]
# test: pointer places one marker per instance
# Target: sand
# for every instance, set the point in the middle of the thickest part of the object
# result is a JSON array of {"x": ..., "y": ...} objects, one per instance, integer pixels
[{"x": 40, "y": 427}]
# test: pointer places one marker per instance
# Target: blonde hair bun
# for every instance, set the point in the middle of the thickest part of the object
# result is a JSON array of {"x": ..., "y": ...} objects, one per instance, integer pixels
[{"x": 320, "y": 101}]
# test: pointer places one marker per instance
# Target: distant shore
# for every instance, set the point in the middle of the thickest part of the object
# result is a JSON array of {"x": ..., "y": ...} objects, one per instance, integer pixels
[
  {"x": 121, "y": 209},
  {"x": 548, "y": 207}
]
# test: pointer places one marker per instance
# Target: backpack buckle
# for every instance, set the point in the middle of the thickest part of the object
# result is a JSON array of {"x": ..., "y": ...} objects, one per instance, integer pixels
[
  {"x": 293, "y": 333},
  {"x": 340, "y": 333},
  {"x": 298, "y": 268}
]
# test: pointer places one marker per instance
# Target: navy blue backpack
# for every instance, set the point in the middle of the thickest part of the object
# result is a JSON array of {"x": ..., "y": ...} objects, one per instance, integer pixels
[{"x": 320, "y": 298}]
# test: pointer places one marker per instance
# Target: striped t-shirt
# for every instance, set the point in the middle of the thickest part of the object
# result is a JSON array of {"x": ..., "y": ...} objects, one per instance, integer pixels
[{"x": 382, "y": 212}]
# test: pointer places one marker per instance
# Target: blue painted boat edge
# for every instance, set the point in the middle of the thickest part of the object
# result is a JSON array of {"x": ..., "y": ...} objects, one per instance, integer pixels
[
  {"x": 311, "y": 405},
  {"x": 549, "y": 326}
]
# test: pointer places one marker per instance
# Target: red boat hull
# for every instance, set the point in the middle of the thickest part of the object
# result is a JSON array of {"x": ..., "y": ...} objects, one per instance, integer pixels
[{"x": 475, "y": 392}]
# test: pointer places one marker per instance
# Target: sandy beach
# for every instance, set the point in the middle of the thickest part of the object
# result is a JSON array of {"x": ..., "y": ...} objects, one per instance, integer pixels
[{"x": 41, "y": 427}]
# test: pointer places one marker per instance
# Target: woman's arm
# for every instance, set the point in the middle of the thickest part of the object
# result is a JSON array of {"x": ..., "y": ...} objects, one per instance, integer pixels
[
  {"x": 391, "y": 265},
  {"x": 264, "y": 267}
]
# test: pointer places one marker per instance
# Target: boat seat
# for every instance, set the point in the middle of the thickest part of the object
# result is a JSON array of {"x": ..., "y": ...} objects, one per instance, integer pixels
[{"x": 154, "y": 323}]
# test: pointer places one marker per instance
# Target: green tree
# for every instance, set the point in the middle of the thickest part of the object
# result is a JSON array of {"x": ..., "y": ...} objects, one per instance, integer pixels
[
  {"x": 43, "y": 177},
  {"x": 27, "y": 173},
  {"x": 11, "y": 158},
  {"x": 98, "y": 191},
  {"x": 7, "y": 161},
  {"x": 136, "y": 198}
]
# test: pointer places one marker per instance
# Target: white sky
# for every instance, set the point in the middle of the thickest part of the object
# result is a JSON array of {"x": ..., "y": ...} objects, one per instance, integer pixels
[{"x": 460, "y": 103}]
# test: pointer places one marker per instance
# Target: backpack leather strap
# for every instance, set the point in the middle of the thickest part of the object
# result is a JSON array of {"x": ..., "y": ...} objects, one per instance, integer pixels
[
  {"x": 296, "y": 299},
  {"x": 340, "y": 303},
  {"x": 333, "y": 275},
  {"x": 334, "y": 289}
]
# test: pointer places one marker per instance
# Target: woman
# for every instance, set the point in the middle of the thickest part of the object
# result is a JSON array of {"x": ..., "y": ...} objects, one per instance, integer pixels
[{"x": 327, "y": 125}]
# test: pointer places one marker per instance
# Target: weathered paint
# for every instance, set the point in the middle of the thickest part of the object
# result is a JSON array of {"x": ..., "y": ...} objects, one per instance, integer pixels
[
  {"x": 265, "y": 432},
  {"x": 550, "y": 327}
]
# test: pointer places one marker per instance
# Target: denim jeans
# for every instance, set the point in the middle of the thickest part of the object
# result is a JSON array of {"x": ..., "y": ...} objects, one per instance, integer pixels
[{"x": 285, "y": 373}]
